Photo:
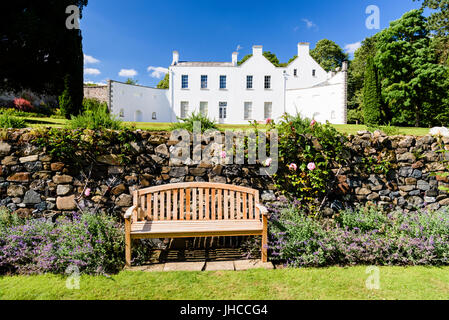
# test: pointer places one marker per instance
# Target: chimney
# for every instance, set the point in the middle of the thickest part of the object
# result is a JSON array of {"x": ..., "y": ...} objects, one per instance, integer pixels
[
  {"x": 257, "y": 50},
  {"x": 303, "y": 49},
  {"x": 175, "y": 58},
  {"x": 235, "y": 56}
]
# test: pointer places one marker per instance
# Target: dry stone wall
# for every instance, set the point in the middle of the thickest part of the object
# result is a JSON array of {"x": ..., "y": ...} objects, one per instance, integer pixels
[{"x": 33, "y": 183}]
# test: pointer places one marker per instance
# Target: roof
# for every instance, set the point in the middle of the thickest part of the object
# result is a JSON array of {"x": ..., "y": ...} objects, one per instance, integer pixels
[{"x": 204, "y": 64}]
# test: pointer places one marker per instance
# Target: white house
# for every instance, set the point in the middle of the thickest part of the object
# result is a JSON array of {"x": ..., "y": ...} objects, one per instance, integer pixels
[{"x": 233, "y": 94}]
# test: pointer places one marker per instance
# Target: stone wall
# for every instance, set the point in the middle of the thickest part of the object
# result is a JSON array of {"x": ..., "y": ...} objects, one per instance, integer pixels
[
  {"x": 32, "y": 183},
  {"x": 101, "y": 93},
  {"x": 407, "y": 179}
]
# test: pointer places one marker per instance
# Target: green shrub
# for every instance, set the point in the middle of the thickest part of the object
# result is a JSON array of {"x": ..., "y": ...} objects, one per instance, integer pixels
[
  {"x": 308, "y": 151},
  {"x": 96, "y": 116},
  {"x": 9, "y": 121},
  {"x": 187, "y": 124}
]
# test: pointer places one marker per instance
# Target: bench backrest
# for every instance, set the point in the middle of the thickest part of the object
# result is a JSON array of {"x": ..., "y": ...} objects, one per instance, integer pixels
[{"x": 196, "y": 201}]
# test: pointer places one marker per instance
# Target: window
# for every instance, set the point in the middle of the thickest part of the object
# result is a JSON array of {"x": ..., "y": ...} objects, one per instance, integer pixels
[
  {"x": 203, "y": 82},
  {"x": 248, "y": 110},
  {"x": 222, "y": 110},
  {"x": 203, "y": 108},
  {"x": 249, "y": 82},
  {"x": 295, "y": 72},
  {"x": 222, "y": 82},
  {"x": 184, "y": 109},
  {"x": 122, "y": 113},
  {"x": 185, "y": 81},
  {"x": 267, "y": 82},
  {"x": 313, "y": 73},
  {"x": 268, "y": 110},
  {"x": 154, "y": 116}
]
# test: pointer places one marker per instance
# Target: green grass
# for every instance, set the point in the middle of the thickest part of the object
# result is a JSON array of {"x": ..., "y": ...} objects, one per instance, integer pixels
[
  {"x": 286, "y": 284},
  {"x": 353, "y": 129},
  {"x": 346, "y": 129}
]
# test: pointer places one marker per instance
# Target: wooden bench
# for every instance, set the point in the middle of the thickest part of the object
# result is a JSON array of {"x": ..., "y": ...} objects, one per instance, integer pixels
[{"x": 197, "y": 209}]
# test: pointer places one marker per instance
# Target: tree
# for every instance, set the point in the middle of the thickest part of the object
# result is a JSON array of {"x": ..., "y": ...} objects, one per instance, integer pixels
[
  {"x": 131, "y": 81},
  {"x": 414, "y": 85},
  {"x": 371, "y": 95},
  {"x": 164, "y": 83},
  {"x": 329, "y": 55},
  {"x": 356, "y": 78},
  {"x": 38, "y": 51},
  {"x": 438, "y": 24},
  {"x": 267, "y": 54}
]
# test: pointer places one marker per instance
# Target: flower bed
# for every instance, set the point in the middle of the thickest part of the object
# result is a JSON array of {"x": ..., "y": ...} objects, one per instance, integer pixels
[
  {"x": 364, "y": 236},
  {"x": 92, "y": 243}
]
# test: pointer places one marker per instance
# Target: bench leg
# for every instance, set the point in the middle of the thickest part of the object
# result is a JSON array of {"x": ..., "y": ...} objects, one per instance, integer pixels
[
  {"x": 265, "y": 240},
  {"x": 128, "y": 242}
]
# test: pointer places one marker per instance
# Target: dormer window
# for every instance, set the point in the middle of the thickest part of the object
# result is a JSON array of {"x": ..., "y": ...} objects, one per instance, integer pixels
[{"x": 295, "y": 72}]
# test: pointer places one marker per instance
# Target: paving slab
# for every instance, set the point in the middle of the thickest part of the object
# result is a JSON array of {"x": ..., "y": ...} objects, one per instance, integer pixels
[
  {"x": 242, "y": 265},
  {"x": 184, "y": 266},
  {"x": 220, "y": 266},
  {"x": 149, "y": 268}
]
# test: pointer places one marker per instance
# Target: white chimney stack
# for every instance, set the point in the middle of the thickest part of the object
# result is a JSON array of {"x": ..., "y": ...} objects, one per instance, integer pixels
[
  {"x": 303, "y": 49},
  {"x": 235, "y": 56},
  {"x": 257, "y": 50},
  {"x": 175, "y": 58}
]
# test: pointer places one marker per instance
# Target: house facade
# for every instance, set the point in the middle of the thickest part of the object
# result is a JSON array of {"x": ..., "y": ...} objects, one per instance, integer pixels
[{"x": 235, "y": 94}]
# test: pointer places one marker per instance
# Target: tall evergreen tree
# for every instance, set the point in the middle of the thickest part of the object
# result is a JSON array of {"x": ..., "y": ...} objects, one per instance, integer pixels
[
  {"x": 38, "y": 51},
  {"x": 371, "y": 95}
]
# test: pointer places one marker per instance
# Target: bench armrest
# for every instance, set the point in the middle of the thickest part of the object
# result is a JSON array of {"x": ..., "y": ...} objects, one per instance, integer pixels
[
  {"x": 129, "y": 212},
  {"x": 263, "y": 210}
]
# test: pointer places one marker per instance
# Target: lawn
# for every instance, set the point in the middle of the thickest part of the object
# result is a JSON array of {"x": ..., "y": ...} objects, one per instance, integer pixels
[
  {"x": 285, "y": 284},
  {"x": 346, "y": 129}
]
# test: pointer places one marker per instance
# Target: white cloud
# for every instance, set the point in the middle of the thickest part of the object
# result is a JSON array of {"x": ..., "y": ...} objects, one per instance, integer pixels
[
  {"x": 157, "y": 72},
  {"x": 92, "y": 71},
  {"x": 296, "y": 28},
  {"x": 352, "y": 47},
  {"x": 239, "y": 47},
  {"x": 128, "y": 73},
  {"x": 309, "y": 23},
  {"x": 90, "y": 60}
]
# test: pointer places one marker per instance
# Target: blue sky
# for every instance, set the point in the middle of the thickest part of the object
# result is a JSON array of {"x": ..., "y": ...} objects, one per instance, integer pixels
[{"x": 136, "y": 38}]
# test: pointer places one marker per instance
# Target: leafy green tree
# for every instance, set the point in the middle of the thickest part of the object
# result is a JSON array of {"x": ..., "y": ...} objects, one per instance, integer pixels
[
  {"x": 329, "y": 55},
  {"x": 414, "y": 85},
  {"x": 438, "y": 24},
  {"x": 164, "y": 83},
  {"x": 131, "y": 81},
  {"x": 267, "y": 54},
  {"x": 371, "y": 95}
]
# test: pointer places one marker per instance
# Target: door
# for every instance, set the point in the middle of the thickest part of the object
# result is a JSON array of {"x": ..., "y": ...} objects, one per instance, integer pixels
[{"x": 223, "y": 112}]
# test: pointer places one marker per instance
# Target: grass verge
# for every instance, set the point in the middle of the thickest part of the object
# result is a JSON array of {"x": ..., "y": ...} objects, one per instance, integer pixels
[{"x": 427, "y": 283}]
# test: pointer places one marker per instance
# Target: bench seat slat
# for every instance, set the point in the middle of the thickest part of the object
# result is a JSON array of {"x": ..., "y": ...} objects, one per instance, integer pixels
[{"x": 170, "y": 227}]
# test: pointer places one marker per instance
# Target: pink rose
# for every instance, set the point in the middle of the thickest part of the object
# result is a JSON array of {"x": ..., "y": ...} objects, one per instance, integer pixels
[
  {"x": 87, "y": 192},
  {"x": 223, "y": 155},
  {"x": 269, "y": 121},
  {"x": 313, "y": 123},
  {"x": 268, "y": 162},
  {"x": 311, "y": 166},
  {"x": 293, "y": 167}
]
